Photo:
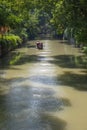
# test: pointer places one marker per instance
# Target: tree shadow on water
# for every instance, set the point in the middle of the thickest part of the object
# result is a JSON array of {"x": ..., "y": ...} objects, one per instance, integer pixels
[
  {"x": 18, "y": 58},
  {"x": 53, "y": 123},
  {"x": 10, "y": 59},
  {"x": 29, "y": 59},
  {"x": 32, "y": 112},
  {"x": 77, "y": 81},
  {"x": 70, "y": 61}
]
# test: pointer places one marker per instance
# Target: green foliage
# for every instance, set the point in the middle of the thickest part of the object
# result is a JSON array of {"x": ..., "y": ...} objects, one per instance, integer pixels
[
  {"x": 80, "y": 35},
  {"x": 71, "y": 14},
  {"x": 4, "y": 13},
  {"x": 15, "y": 59},
  {"x": 85, "y": 49},
  {"x": 23, "y": 33},
  {"x": 13, "y": 39},
  {"x": 28, "y": 18},
  {"x": 14, "y": 21},
  {"x": 9, "y": 42}
]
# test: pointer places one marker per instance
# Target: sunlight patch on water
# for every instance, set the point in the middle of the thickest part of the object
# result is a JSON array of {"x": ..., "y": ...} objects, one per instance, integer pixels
[{"x": 36, "y": 95}]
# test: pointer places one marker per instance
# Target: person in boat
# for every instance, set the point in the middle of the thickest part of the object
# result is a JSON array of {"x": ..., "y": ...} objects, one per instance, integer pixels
[{"x": 37, "y": 43}]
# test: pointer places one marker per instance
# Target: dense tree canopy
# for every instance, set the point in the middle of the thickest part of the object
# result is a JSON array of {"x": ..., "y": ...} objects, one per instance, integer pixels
[
  {"x": 31, "y": 17},
  {"x": 71, "y": 14}
]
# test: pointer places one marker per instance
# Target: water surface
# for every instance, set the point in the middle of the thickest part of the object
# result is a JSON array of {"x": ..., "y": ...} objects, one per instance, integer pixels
[{"x": 43, "y": 89}]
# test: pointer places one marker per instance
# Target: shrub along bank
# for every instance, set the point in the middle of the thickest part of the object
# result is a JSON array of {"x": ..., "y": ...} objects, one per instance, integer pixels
[{"x": 8, "y": 43}]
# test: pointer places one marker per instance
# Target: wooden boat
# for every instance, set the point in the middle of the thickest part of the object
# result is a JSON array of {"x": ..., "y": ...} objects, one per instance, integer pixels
[{"x": 39, "y": 45}]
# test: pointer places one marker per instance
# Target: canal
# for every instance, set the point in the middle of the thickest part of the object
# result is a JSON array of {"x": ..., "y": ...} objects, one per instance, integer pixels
[{"x": 43, "y": 89}]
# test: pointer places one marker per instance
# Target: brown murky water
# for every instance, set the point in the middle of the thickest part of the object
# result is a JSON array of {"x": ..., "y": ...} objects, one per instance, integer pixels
[{"x": 44, "y": 89}]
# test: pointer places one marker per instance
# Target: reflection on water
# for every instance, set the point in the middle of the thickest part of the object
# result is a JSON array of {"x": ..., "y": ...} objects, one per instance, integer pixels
[
  {"x": 48, "y": 80},
  {"x": 70, "y": 61},
  {"x": 36, "y": 88},
  {"x": 78, "y": 81},
  {"x": 26, "y": 107}
]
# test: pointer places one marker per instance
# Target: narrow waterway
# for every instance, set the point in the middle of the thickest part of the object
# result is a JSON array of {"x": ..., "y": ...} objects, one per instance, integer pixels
[{"x": 43, "y": 89}]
